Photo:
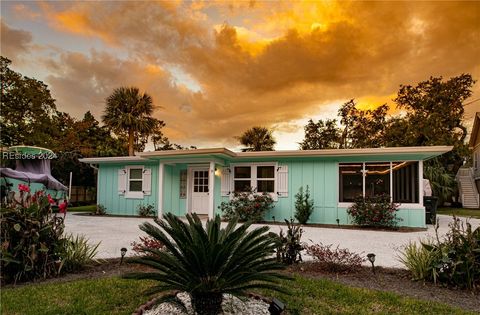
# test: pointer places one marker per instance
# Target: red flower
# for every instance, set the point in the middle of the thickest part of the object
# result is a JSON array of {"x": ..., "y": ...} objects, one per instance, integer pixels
[
  {"x": 39, "y": 193},
  {"x": 62, "y": 208},
  {"x": 24, "y": 188},
  {"x": 50, "y": 199}
]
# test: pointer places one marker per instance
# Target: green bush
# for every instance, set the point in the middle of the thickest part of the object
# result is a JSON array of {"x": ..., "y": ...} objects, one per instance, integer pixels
[
  {"x": 146, "y": 210},
  {"x": 77, "y": 253},
  {"x": 247, "y": 206},
  {"x": 101, "y": 210},
  {"x": 376, "y": 211},
  {"x": 290, "y": 247},
  {"x": 207, "y": 262},
  {"x": 32, "y": 238},
  {"x": 453, "y": 260},
  {"x": 303, "y": 206}
]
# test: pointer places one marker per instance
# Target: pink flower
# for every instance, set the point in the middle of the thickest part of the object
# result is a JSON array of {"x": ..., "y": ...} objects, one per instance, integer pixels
[
  {"x": 50, "y": 199},
  {"x": 62, "y": 208},
  {"x": 39, "y": 193},
  {"x": 23, "y": 188}
]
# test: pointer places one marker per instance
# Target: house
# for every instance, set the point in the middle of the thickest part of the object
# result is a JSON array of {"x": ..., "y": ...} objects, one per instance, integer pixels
[
  {"x": 185, "y": 181},
  {"x": 469, "y": 177}
]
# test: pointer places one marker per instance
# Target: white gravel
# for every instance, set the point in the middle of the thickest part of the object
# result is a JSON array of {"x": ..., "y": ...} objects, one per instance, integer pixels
[
  {"x": 115, "y": 233},
  {"x": 230, "y": 305}
]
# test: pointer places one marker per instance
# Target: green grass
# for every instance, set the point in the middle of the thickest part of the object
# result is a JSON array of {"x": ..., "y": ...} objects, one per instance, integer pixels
[
  {"x": 118, "y": 296},
  {"x": 460, "y": 212},
  {"x": 91, "y": 208}
]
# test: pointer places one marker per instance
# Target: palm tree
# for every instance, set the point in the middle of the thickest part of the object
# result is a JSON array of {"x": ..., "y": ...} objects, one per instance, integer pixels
[
  {"x": 257, "y": 139},
  {"x": 207, "y": 262},
  {"x": 128, "y": 111}
]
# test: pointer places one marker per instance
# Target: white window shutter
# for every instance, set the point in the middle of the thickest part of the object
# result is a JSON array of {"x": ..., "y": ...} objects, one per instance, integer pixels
[
  {"x": 282, "y": 181},
  {"x": 147, "y": 181},
  {"x": 226, "y": 182},
  {"x": 122, "y": 181}
]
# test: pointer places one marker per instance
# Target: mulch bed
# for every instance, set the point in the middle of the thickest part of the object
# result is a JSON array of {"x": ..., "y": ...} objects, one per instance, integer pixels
[
  {"x": 394, "y": 280},
  {"x": 384, "y": 279}
]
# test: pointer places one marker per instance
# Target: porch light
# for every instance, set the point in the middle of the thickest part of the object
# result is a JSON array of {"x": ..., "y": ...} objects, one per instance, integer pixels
[
  {"x": 217, "y": 172},
  {"x": 371, "y": 258},
  {"x": 123, "y": 251}
]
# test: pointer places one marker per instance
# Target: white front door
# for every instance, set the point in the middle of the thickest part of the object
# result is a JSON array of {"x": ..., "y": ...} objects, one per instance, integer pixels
[{"x": 199, "y": 190}]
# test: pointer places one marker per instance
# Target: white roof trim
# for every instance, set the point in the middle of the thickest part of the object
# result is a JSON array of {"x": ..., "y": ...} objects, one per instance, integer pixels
[
  {"x": 113, "y": 159},
  {"x": 144, "y": 156}
]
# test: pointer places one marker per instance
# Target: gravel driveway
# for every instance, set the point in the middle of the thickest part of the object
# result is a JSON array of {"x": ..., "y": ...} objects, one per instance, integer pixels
[{"x": 117, "y": 232}]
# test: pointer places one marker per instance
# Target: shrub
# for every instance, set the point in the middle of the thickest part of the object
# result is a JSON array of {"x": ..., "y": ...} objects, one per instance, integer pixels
[
  {"x": 453, "y": 260},
  {"x": 31, "y": 237},
  {"x": 375, "y": 211},
  {"x": 291, "y": 246},
  {"x": 146, "y": 242},
  {"x": 146, "y": 210},
  {"x": 77, "y": 253},
  {"x": 101, "y": 210},
  {"x": 303, "y": 206},
  {"x": 247, "y": 206},
  {"x": 207, "y": 262},
  {"x": 335, "y": 260}
]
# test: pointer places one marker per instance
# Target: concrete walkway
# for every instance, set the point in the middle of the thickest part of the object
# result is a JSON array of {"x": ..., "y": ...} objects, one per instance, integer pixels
[{"x": 115, "y": 233}]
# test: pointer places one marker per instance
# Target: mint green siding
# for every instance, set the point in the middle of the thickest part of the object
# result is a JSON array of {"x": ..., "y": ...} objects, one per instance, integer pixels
[
  {"x": 320, "y": 174},
  {"x": 107, "y": 190}
]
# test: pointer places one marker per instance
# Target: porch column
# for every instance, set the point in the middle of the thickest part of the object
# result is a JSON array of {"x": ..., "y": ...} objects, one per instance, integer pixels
[
  {"x": 161, "y": 167},
  {"x": 211, "y": 190},
  {"x": 420, "y": 179}
]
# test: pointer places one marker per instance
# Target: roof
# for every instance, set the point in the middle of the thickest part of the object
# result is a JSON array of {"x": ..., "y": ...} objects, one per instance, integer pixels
[
  {"x": 223, "y": 153},
  {"x": 475, "y": 130}
]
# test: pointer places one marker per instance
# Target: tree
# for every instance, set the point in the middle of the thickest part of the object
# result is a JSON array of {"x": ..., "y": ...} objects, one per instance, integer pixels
[
  {"x": 129, "y": 112},
  {"x": 28, "y": 109},
  {"x": 321, "y": 135},
  {"x": 257, "y": 139}
]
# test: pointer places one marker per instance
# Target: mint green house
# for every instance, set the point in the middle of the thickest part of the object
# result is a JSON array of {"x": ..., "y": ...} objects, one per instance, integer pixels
[{"x": 187, "y": 181}]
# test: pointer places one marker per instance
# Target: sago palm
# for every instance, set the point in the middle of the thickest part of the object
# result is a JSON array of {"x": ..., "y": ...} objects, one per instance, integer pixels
[
  {"x": 257, "y": 139},
  {"x": 207, "y": 262},
  {"x": 129, "y": 111}
]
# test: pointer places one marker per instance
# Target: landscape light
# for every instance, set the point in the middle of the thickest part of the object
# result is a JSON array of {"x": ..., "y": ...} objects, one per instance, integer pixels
[
  {"x": 276, "y": 307},
  {"x": 123, "y": 251},
  {"x": 371, "y": 258}
]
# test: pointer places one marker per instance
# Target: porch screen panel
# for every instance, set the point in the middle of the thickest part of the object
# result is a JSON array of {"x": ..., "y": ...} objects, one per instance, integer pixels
[
  {"x": 377, "y": 179},
  {"x": 405, "y": 182},
  {"x": 350, "y": 181}
]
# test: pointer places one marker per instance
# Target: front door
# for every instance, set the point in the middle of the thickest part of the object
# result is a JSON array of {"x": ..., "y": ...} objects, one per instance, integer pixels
[{"x": 199, "y": 190}]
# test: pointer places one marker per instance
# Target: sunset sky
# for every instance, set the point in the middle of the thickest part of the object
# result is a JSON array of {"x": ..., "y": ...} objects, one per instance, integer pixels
[{"x": 215, "y": 69}]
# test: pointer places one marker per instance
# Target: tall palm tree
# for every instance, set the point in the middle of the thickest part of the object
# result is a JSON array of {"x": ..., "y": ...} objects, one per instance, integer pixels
[
  {"x": 129, "y": 111},
  {"x": 257, "y": 139}
]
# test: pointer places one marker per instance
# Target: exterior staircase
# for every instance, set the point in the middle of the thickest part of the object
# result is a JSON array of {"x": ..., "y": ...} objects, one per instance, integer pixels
[{"x": 467, "y": 188}]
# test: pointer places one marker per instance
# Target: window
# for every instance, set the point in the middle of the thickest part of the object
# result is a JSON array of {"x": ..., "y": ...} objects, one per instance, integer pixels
[
  {"x": 405, "y": 182},
  {"x": 400, "y": 180},
  {"x": 135, "y": 179},
  {"x": 260, "y": 177},
  {"x": 183, "y": 184},
  {"x": 351, "y": 181},
  {"x": 200, "y": 181}
]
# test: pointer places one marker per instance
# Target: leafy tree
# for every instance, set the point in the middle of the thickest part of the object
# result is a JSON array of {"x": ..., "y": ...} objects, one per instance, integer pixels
[
  {"x": 128, "y": 111},
  {"x": 28, "y": 109},
  {"x": 207, "y": 262},
  {"x": 257, "y": 139},
  {"x": 321, "y": 135}
]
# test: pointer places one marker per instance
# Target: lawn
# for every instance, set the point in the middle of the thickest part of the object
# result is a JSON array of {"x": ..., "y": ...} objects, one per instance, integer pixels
[
  {"x": 118, "y": 296},
  {"x": 91, "y": 208},
  {"x": 460, "y": 212}
]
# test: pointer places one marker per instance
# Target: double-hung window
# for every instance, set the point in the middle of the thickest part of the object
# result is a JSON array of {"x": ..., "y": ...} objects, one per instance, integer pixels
[
  {"x": 259, "y": 177},
  {"x": 134, "y": 181}
]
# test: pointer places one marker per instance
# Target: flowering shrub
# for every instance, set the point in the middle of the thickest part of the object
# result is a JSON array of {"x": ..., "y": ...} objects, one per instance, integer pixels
[
  {"x": 32, "y": 237},
  {"x": 145, "y": 242},
  {"x": 146, "y": 210},
  {"x": 247, "y": 206},
  {"x": 374, "y": 211},
  {"x": 335, "y": 260}
]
